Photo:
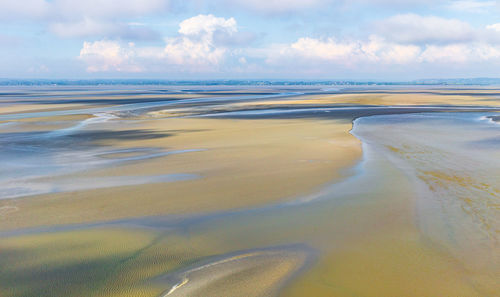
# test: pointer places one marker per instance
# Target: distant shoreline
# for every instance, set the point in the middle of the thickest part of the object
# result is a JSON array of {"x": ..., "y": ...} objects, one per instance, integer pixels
[{"x": 249, "y": 82}]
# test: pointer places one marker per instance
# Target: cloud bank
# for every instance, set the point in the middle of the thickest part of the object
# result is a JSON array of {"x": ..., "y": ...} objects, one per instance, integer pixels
[{"x": 202, "y": 46}]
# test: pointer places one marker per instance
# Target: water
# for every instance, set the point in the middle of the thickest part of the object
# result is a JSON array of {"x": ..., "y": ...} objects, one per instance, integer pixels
[
  {"x": 453, "y": 161},
  {"x": 423, "y": 203}
]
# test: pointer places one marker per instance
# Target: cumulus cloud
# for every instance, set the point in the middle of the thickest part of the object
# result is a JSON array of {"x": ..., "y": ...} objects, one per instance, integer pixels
[
  {"x": 195, "y": 47},
  {"x": 195, "y": 44},
  {"x": 105, "y": 55},
  {"x": 413, "y": 28},
  {"x": 206, "y": 26}
]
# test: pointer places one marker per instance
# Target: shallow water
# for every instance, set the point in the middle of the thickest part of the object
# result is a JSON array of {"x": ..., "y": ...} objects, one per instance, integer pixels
[
  {"x": 453, "y": 162},
  {"x": 418, "y": 216}
]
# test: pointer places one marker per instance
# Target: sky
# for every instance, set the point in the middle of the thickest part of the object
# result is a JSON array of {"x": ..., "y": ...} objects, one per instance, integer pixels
[{"x": 250, "y": 39}]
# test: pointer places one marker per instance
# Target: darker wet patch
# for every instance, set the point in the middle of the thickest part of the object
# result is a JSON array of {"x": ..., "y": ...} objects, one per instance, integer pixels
[
  {"x": 369, "y": 92},
  {"x": 486, "y": 143},
  {"x": 329, "y": 112},
  {"x": 13, "y": 94},
  {"x": 494, "y": 118},
  {"x": 103, "y": 101},
  {"x": 39, "y": 141},
  {"x": 137, "y": 134},
  {"x": 236, "y": 93}
]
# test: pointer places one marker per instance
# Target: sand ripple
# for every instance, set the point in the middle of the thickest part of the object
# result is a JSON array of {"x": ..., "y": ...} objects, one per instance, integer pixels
[{"x": 233, "y": 274}]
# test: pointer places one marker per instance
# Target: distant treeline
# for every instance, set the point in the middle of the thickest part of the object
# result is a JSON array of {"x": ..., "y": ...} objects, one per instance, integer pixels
[{"x": 160, "y": 82}]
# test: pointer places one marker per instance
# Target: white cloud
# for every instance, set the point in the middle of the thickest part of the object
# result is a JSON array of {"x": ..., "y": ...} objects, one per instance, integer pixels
[
  {"x": 75, "y": 9},
  {"x": 195, "y": 48},
  {"x": 460, "y": 53},
  {"x": 288, "y": 7},
  {"x": 76, "y": 18},
  {"x": 203, "y": 44},
  {"x": 413, "y": 28},
  {"x": 472, "y": 6},
  {"x": 91, "y": 27},
  {"x": 107, "y": 55},
  {"x": 407, "y": 39},
  {"x": 432, "y": 30},
  {"x": 377, "y": 52},
  {"x": 195, "y": 44},
  {"x": 347, "y": 52},
  {"x": 324, "y": 49},
  {"x": 495, "y": 27},
  {"x": 83, "y": 28},
  {"x": 392, "y": 53},
  {"x": 27, "y": 9},
  {"x": 278, "y": 6},
  {"x": 207, "y": 25}
]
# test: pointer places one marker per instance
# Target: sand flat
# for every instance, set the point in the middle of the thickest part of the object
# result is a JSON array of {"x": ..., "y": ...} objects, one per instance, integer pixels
[
  {"x": 369, "y": 98},
  {"x": 279, "y": 206},
  {"x": 243, "y": 163}
]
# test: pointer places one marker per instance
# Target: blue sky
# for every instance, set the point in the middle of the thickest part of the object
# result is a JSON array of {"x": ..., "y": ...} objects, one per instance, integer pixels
[{"x": 198, "y": 39}]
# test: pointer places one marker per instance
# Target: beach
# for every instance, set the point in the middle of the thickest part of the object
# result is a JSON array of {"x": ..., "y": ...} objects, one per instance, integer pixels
[{"x": 250, "y": 191}]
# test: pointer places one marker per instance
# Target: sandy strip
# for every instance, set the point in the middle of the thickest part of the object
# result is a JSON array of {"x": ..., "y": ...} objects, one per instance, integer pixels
[{"x": 234, "y": 274}]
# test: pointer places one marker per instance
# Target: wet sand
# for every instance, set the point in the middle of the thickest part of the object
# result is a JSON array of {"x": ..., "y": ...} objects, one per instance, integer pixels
[
  {"x": 286, "y": 203},
  {"x": 239, "y": 164}
]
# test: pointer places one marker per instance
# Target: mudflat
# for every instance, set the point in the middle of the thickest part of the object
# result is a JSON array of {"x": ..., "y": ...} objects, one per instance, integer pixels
[{"x": 250, "y": 192}]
